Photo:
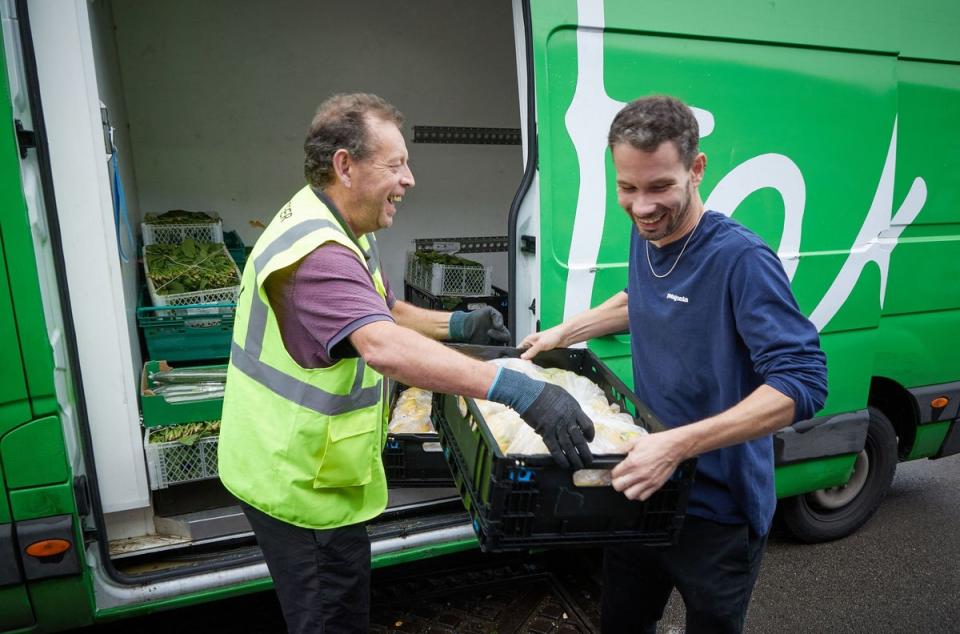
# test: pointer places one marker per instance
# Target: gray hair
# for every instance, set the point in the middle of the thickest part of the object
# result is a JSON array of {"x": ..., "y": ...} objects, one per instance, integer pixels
[
  {"x": 341, "y": 123},
  {"x": 647, "y": 122}
]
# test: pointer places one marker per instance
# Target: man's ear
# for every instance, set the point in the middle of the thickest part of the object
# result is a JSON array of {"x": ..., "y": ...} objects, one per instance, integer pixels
[
  {"x": 698, "y": 168},
  {"x": 343, "y": 166}
]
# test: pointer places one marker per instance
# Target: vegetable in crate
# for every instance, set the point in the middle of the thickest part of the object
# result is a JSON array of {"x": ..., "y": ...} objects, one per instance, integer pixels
[
  {"x": 447, "y": 259},
  {"x": 181, "y": 217},
  {"x": 411, "y": 413},
  {"x": 616, "y": 431},
  {"x": 185, "y": 434},
  {"x": 189, "y": 267}
]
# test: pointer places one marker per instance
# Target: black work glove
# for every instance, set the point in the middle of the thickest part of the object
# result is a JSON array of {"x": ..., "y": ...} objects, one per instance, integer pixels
[
  {"x": 483, "y": 326},
  {"x": 552, "y": 413}
]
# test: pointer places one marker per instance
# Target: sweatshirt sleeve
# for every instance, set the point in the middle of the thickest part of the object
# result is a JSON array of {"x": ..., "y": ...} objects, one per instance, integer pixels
[{"x": 784, "y": 345}]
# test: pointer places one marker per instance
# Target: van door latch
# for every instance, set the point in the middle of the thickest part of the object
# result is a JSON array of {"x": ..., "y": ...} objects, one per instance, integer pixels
[
  {"x": 528, "y": 244},
  {"x": 26, "y": 139}
]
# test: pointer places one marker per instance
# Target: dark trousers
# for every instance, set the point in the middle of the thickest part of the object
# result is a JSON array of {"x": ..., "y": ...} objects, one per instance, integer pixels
[
  {"x": 322, "y": 577},
  {"x": 713, "y": 566}
]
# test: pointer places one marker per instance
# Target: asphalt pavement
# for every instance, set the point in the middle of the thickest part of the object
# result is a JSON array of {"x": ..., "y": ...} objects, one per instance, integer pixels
[{"x": 899, "y": 573}]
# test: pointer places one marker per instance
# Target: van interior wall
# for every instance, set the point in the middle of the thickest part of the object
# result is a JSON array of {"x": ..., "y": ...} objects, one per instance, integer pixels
[{"x": 220, "y": 95}]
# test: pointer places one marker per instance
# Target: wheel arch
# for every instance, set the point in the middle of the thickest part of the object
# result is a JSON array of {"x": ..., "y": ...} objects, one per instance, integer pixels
[{"x": 899, "y": 406}]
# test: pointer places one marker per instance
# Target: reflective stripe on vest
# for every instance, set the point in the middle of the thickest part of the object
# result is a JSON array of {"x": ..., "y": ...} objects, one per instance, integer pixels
[{"x": 247, "y": 358}]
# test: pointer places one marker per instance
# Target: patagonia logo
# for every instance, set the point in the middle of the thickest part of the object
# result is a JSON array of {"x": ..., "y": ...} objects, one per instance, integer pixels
[{"x": 678, "y": 298}]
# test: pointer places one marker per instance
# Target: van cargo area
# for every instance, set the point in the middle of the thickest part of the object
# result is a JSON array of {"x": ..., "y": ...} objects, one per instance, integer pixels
[{"x": 207, "y": 105}]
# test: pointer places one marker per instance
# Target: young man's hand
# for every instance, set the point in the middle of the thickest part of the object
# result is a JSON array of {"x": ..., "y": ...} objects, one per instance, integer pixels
[
  {"x": 539, "y": 341},
  {"x": 649, "y": 464}
]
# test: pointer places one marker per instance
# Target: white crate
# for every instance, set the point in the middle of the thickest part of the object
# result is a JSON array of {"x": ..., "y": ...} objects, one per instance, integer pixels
[
  {"x": 175, "y": 234},
  {"x": 224, "y": 295},
  {"x": 446, "y": 279},
  {"x": 174, "y": 462}
]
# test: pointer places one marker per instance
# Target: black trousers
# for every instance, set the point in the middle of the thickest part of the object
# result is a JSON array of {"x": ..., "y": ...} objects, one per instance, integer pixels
[
  {"x": 713, "y": 566},
  {"x": 322, "y": 577}
]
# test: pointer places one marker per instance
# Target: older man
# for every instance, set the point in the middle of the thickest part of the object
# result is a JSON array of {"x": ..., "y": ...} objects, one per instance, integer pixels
[
  {"x": 316, "y": 330},
  {"x": 721, "y": 354}
]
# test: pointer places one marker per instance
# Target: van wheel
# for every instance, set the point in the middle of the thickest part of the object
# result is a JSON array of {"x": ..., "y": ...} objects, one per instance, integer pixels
[{"x": 839, "y": 511}]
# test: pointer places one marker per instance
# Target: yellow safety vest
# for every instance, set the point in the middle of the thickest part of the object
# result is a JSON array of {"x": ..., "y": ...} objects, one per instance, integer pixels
[{"x": 301, "y": 445}]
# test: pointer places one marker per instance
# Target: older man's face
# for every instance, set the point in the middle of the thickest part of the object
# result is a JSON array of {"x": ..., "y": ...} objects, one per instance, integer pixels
[{"x": 383, "y": 177}]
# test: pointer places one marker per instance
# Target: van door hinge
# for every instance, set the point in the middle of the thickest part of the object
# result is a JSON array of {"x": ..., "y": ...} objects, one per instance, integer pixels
[
  {"x": 528, "y": 244},
  {"x": 26, "y": 139}
]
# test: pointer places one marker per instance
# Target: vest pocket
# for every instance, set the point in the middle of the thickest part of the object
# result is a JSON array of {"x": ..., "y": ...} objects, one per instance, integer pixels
[{"x": 351, "y": 451}]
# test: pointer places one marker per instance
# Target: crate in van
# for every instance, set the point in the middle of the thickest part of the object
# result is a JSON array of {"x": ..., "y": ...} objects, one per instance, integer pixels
[
  {"x": 189, "y": 298},
  {"x": 463, "y": 278},
  {"x": 176, "y": 225},
  {"x": 187, "y": 333},
  {"x": 415, "y": 459},
  {"x": 156, "y": 410},
  {"x": 519, "y": 502},
  {"x": 499, "y": 299}
]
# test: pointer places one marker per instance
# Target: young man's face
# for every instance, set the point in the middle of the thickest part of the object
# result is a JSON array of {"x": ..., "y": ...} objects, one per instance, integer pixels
[
  {"x": 381, "y": 179},
  {"x": 657, "y": 191}
]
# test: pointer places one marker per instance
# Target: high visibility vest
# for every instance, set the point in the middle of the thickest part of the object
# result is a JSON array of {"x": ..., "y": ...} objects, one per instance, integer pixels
[{"x": 302, "y": 445}]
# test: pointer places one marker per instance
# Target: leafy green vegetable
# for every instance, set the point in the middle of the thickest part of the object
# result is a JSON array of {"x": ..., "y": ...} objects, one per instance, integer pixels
[
  {"x": 185, "y": 434},
  {"x": 435, "y": 257},
  {"x": 181, "y": 217},
  {"x": 190, "y": 266}
]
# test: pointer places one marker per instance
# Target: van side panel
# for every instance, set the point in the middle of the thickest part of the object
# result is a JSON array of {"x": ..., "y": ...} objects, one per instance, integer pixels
[
  {"x": 798, "y": 142},
  {"x": 918, "y": 342}
]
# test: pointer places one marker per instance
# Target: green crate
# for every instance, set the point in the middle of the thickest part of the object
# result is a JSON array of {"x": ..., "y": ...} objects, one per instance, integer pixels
[
  {"x": 156, "y": 411},
  {"x": 175, "y": 335},
  {"x": 236, "y": 248}
]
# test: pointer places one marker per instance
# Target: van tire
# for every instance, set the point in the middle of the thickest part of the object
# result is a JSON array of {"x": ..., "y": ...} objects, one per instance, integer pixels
[{"x": 826, "y": 515}]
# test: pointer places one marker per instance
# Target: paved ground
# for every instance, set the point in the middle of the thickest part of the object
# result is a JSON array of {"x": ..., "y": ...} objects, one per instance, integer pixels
[{"x": 900, "y": 573}]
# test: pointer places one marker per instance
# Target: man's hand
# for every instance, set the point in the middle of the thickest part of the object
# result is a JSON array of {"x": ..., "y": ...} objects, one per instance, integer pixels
[
  {"x": 649, "y": 464},
  {"x": 551, "y": 412},
  {"x": 539, "y": 341},
  {"x": 483, "y": 326}
]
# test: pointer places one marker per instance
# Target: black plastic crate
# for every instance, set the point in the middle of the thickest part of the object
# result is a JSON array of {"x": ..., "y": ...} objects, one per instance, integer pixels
[
  {"x": 519, "y": 502},
  {"x": 420, "y": 297},
  {"x": 415, "y": 460}
]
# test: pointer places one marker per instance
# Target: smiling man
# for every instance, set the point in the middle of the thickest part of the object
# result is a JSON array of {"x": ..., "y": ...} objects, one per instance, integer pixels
[
  {"x": 721, "y": 354},
  {"x": 316, "y": 331}
]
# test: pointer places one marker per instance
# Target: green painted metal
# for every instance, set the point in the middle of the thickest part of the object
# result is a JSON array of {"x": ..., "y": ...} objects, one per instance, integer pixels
[
  {"x": 61, "y": 603},
  {"x": 804, "y": 477},
  {"x": 35, "y": 502},
  {"x": 14, "y": 401},
  {"x": 24, "y": 287},
  {"x": 928, "y": 440},
  {"x": 917, "y": 342},
  {"x": 15, "y": 611},
  {"x": 869, "y": 140},
  {"x": 34, "y": 454},
  {"x": 423, "y": 552}
]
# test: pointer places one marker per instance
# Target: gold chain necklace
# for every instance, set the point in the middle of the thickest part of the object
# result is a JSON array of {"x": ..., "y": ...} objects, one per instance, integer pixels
[{"x": 680, "y": 255}]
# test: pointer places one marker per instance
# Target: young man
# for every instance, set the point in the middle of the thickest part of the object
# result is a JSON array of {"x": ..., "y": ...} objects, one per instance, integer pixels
[
  {"x": 315, "y": 332},
  {"x": 722, "y": 355}
]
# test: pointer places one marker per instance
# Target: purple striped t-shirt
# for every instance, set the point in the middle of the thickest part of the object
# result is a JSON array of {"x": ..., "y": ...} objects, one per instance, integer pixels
[{"x": 322, "y": 299}]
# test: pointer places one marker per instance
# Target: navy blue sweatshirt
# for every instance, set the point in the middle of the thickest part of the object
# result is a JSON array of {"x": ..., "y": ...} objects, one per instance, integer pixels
[{"x": 703, "y": 338}]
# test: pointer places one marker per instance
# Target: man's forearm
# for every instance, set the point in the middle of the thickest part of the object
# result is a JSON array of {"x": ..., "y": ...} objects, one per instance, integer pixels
[
  {"x": 408, "y": 357},
  {"x": 429, "y": 323},
  {"x": 763, "y": 412},
  {"x": 607, "y": 318}
]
